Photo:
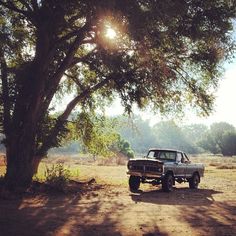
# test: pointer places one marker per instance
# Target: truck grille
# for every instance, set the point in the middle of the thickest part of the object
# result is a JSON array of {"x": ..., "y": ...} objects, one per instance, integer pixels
[
  {"x": 141, "y": 166},
  {"x": 152, "y": 169}
]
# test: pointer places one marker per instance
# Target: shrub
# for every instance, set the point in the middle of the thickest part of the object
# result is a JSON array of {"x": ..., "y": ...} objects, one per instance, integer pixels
[
  {"x": 57, "y": 176},
  {"x": 130, "y": 153}
]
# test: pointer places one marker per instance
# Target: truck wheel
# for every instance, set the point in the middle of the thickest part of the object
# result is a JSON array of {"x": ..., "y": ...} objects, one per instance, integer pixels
[
  {"x": 194, "y": 181},
  {"x": 167, "y": 183},
  {"x": 134, "y": 183}
]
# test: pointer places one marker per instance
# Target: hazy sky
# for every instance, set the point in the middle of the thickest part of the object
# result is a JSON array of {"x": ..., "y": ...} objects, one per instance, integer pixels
[{"x": 225, "y": 108}]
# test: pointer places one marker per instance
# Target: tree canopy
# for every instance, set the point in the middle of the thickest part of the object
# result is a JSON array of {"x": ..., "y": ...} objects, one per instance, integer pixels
[
  {"x": 220, "y": 138},
  {"x": 164, "y": 54}
]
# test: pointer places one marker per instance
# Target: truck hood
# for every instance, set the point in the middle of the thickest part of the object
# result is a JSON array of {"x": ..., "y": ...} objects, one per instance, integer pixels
[{"x": 145, "y": 161}]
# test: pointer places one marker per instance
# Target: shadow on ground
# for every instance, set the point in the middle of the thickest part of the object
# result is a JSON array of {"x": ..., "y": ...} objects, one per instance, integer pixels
[
  {"x": 57, "y": 215},
  {"x": 90, "y": 213},
  {"x": 218, "y": 219},
  {"x": 106, "y": 211},
  {"x": 179, "y": 196},
  {"x": 197, "y": 208}
]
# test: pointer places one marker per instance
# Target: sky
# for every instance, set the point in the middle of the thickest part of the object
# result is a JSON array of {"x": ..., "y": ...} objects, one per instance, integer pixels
[{"x": 224, "y": 106}]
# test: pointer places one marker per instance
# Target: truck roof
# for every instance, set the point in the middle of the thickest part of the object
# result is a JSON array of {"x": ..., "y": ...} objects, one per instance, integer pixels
[{"x": 164, "y": 149}]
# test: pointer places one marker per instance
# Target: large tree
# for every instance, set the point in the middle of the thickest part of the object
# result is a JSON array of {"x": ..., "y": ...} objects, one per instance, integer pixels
[
  {"x": 165, "y": 53},
  {"x": 220, "y": 138}
]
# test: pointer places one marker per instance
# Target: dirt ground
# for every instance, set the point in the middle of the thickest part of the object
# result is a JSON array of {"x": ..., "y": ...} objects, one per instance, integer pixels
[{"x": 110, "y": 209}]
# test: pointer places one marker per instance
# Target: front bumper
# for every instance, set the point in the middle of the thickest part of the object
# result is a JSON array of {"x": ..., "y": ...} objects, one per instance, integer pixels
[{"x": 144, "y": 174}]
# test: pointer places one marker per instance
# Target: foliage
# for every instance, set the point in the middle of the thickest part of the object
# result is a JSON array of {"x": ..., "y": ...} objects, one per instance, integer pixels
[
  {"x": 169, "y": 135},
  {"x": 195, "y": 138},
  {"x": 194, "y": 133},
  {"x": 138, "y": 132},
  {"x": 166, "y": 54},
  {"x": 220, "y": 139},
  {"x": 96, "y": 133},
  {"x": 208, "y": 143},
  {"x": 124, "y": 147},
  {"x": 57, "y": 176},
  {"x": 229, "y": 143},
  {"x": 165, "y": 134},
  {"x": 176, "y": 44},
  {"x": 69, "y": 147}
]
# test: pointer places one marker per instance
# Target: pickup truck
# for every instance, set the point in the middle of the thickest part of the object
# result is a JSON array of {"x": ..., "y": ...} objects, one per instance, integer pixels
[{"x": 164, "y": 166}]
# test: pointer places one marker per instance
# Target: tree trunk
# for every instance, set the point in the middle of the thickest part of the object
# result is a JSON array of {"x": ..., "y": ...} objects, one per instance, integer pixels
[
  {"x": 20, "y": 170},
  {"x": 35, "y": 163},
  {"x": 22, "y": 163}
]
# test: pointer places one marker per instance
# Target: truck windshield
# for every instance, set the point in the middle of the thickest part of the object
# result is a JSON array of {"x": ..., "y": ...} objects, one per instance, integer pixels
[{"x": 162, "y": 155}]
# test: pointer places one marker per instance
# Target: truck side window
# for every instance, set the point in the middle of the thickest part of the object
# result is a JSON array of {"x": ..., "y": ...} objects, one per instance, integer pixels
[
  {"x": 184, "y": 159},
  {"x": 179, "y": 157}
]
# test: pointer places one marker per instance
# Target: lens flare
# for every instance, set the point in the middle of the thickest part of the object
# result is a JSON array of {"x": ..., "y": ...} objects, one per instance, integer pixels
[{"x": 111, "y": 33}]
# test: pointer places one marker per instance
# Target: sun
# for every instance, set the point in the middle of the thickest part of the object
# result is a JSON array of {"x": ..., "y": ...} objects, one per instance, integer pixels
[{"x": 110, "y": 33}]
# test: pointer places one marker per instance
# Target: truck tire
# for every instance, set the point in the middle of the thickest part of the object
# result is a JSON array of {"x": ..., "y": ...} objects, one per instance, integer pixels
[
  {"x": 167, "y": 183},
  {"x": 194, "y": 181},
  {"x": 134, "y": 183}
]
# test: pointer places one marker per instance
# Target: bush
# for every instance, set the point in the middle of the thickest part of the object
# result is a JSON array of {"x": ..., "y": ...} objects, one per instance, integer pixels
[
  {"x": 130, "y": 153},
  {"x": 57, "y": 176},
  {"x": 125, "y": 148}
]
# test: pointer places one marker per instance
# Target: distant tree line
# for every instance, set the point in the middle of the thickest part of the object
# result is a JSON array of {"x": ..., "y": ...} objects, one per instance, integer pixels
[
  {"x": 219, "y": 138},
  {"x": 121, "y": 134},
  {"x": 108, "y": 136}
]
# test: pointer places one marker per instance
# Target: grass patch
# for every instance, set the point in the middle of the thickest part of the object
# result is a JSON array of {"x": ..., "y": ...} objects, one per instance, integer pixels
[
  {"x": 215, "y": 164},
  {"x": 226, "y": 167},
  {"x": 44, "y": 169}
]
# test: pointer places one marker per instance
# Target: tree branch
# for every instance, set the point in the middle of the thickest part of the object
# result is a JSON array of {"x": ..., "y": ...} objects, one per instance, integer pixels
[
  {"x": 77, "y": 60},
  {"x": 72, "y": 34},
  {"x": 56, "y": 77},
  {"x": 70, "y": 54},
  {"x": 85, "y": 94},
  {"x": 74, "y": 78},
  {"x": 24, "y": 3},
  {"x": 35, "y": 4},
  {"x": 12, "y": 7},
  {"x": 63, "y": 117}
]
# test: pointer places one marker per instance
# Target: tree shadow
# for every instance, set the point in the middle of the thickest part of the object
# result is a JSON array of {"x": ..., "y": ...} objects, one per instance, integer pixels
[
  {"x": 218, "y": 219},
  {"x": 89, "y": 213},
  {"x": 196, "y": 208},
  {"x": 101, "y": 211},
  {"x": 179, "y": 196}
]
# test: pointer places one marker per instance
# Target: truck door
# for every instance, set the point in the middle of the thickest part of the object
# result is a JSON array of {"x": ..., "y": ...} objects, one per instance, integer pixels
[
  {"x": 188, "y": 166},
  {"x": 180, "y": 166}
]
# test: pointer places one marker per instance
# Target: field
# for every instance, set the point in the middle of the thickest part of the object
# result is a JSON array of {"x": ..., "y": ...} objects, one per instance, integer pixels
[{"x": 108, "y": 208}]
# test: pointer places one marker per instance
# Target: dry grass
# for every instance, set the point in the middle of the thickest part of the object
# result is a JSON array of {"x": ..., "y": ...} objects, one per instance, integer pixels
[
  {"x": 110, "y": 209},
  {"x": 2, "y": 164},
  {"x": 216, "y": 166},
  {"x": 226, "y": 167}
]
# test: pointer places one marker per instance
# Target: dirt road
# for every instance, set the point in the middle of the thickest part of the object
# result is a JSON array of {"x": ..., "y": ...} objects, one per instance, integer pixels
[{"x": 110, "y": 209}]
